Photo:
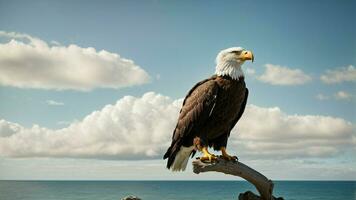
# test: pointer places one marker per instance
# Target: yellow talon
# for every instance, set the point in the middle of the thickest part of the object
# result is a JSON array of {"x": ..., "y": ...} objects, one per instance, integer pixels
[
  {"x": 227, "y": 156},
  {"x": 207, "y": 156}
]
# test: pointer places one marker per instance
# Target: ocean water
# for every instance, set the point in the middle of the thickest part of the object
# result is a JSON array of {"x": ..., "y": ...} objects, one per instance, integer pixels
[{"x": 170, "y": 190}]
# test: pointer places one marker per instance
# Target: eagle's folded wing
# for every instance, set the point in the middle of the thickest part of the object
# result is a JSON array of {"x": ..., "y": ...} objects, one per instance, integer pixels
[{"x": 197, "y": 106}]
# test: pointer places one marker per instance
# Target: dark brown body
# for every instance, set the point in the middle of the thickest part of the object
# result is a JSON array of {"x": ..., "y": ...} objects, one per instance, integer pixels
[{"x": 209, "y": 112}]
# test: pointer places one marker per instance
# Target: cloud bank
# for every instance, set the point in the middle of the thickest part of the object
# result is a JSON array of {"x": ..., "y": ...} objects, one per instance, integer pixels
[
  {"x": 269, "y": 132},
  {"x": 29, "y": 62},
  {"x": 133, "y": 128},
  {"x": 141, "y": 128},
  {"x": 281, "y": 75},
  {"x": 343, "y": 74}
]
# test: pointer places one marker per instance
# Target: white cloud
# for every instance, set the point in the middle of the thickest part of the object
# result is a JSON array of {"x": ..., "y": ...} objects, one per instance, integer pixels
[
  {"x": 281, "y": 75},
  {"x": 250, "y": 71},
  {"x": 133, "y": 128},
  {"x": 29, "y": 62},
  {"x": 270, "y": 132},
  {"x": 54, "y": 103},
  {"x": 339, "y": 75},
  {"x": 321, "y": 97},
  {"x": 342, "y": 95},
  {"x": 8, "y": 128},
  {"x": 141, "y": 128}
]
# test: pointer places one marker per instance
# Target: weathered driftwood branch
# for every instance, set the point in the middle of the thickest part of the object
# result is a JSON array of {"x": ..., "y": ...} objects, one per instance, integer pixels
[{"x": 263, "y": 185}]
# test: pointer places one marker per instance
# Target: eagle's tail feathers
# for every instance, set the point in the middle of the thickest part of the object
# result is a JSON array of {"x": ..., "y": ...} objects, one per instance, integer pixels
[{"x": 181, "y": 158}]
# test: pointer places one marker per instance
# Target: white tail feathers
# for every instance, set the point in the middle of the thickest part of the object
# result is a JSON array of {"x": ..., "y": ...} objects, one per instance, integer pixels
[{"x": 181, "y": 159}]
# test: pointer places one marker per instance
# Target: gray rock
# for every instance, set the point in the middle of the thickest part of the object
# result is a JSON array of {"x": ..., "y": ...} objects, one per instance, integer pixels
[
  {"x": 131, "y": 197},
  {"x": 251, "y": 196}
]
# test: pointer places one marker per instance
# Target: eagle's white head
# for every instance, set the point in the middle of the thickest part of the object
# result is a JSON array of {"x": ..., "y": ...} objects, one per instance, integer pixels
[{"x": 229, "y": 62}]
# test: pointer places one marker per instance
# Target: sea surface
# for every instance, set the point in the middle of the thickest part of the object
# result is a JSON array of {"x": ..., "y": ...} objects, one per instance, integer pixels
[{"x": 170, "y": 190}]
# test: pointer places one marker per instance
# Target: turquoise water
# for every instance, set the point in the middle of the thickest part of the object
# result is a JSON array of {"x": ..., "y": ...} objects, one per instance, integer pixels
[{"x": 170, "y": 190}]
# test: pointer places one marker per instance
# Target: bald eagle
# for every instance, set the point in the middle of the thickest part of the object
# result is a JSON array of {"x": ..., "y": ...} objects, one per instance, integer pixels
[{"x": 210, "y": 111}]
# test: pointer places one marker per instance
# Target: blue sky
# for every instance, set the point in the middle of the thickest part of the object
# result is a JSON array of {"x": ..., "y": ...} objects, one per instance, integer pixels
[{"x": 176, "y": 43}]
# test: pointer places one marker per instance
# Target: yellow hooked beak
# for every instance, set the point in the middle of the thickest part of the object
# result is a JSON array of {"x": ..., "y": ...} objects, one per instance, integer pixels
[{"x": 246, "y": 55}]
